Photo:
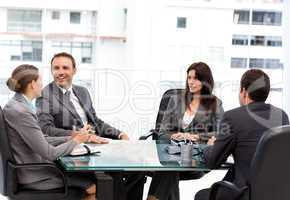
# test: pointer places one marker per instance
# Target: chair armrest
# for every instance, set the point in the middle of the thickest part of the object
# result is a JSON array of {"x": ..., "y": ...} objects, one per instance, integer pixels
[
  {"x": 42, "y": 165},
  {"x": 237, "y": 192},
  {"x": 151, "y": 133},
  {"x": 226, "y": 165}
]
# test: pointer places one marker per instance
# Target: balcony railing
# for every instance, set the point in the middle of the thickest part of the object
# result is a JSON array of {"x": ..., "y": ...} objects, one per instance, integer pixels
[{"x": 23, "y": 27}]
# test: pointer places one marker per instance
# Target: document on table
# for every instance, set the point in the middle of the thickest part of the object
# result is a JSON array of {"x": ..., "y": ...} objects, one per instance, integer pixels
[
  {"x": 127, "y": 153},
  {"x": 82, "y": 149}
]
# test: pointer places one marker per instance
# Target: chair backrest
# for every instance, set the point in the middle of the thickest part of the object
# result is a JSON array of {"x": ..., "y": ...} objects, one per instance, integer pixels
[
  {"x": 164, "y": 105},
  {"x": 5, "y": 154},
  {"x": 270, "y": 175}
]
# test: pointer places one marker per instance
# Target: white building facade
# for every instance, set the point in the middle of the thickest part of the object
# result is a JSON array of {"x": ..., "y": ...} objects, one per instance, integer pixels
[{"x": 129, "y": 52}]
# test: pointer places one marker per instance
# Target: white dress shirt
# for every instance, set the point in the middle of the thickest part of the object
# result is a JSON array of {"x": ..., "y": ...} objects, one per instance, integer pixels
[
  {"x": 75, "y": 101},
  {"x": 187, "y": 119}
]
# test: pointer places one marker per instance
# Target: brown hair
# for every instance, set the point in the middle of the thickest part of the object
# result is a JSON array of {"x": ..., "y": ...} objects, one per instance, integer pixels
[
  {"x": 204, "y": 75},
  {"x": 21, "y": 77},
  {"x": 257, "y": 84},
  {"x": 64, "y": 54}
]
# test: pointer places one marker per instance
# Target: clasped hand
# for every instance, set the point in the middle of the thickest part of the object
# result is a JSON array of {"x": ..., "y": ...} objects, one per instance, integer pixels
[
  {"x": 85, "y": 134},
  {"x": 185, "y": 136}
]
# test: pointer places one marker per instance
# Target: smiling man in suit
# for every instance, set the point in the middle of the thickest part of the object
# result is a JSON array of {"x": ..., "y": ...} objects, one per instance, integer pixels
[{"x": 64, "y": 109}]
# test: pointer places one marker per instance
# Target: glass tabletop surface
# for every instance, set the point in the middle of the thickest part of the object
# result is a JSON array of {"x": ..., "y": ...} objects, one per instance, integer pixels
[{"x": 133, "y": 156}]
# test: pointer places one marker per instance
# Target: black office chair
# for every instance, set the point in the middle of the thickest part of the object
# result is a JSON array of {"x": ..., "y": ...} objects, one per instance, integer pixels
[
  {"x": 270, "y": 170},
  {"x": 154, "y": 133},
  {"x": 9, "y": 185}
]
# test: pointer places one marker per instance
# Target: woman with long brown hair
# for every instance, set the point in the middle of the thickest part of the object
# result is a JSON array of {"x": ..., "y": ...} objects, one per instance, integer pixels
[
  {"x": 193, "y": 115},
  {"x": 196, "y": 112}
]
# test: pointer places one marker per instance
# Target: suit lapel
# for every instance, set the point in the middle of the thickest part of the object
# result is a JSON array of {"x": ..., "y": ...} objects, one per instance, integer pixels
[
  {"x": 64, "y": 101},
  {"x": 199, "y": 115},
  {"x": 82, "y": 100},
  {"x": 199, "y": 118},
  {"x": 180, "y": 111}
]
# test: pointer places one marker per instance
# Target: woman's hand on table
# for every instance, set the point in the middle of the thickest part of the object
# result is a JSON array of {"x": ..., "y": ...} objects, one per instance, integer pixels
[{"x": 185, "y": 136}]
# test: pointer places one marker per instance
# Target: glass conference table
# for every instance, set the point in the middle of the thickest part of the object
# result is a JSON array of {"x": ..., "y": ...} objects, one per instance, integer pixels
[
  {"x": 132, "y": 156},
  {"x": 125, "y": 157}
]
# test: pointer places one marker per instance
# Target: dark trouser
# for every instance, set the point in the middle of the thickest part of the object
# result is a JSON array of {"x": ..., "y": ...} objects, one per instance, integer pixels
[
  {"x": 80, "y": 180},
  {"x": 165, "y": 186},
  {"x": 127, "y": 186},
  {"x": 134, "y": 184},
  {"x": 223, "y": 193}
]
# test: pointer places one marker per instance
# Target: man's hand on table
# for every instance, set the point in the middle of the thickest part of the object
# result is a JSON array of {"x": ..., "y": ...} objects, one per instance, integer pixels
[
  {"x": 211, "y": 141},
  {"x": 124, "y": 136}
]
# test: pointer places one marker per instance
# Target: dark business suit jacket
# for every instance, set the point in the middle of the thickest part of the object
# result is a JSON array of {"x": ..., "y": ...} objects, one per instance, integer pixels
[
  {"x": 57, "y": 114},
  {"x": 29, "y": 145},
  {"x": 204, "y": 121},
  {"x": 240, "y": 131}
]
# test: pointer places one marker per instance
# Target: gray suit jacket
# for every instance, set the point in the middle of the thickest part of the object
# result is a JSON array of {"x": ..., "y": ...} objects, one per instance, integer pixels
[
  {"x": 203, "y": 122},
  {"x": 57, "y": 114},
  {"x": 29, "y": 145}
]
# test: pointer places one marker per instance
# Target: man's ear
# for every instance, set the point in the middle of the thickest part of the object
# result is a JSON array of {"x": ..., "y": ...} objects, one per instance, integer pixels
[
  {"x": 75, "y": 70},
  {"x": 244, "y": 93}
]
